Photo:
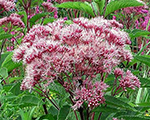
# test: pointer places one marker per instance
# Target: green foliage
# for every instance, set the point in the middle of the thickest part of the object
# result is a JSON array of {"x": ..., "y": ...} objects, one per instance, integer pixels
[
  {"x": 101, "y": 5},
  {"x": 48, "y": 20},
  {"x": 9, "y": 64},
  {"x": 5, "y": 36},
  {"x": 47, "y": 117},
  {"x": 138, "y": 33},
  {"x": 78, "y": 6},
  {"x": 118, "y": 4},
  {"x": 37, "y": 17},
  {"x": 27, "y": 115},
  {"x": 63, "y": 112},
  {"x": 3, "y": 72},
  {"x": 144, "y": 59}
]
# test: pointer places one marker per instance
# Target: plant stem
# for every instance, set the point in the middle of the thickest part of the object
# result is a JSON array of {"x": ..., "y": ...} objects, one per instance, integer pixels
[
  {"x": 81, "y": 113},
  {"x": 44, "y": 107},
  {"x": 106, "y": 2},
  {"x": 99, "y": 116}
]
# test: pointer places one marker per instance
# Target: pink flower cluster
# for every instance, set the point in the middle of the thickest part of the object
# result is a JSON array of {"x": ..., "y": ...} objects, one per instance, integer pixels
[
  {"x": 127, "y": 80},
  {"x": 50, "y": 8},
  {"x": 7, "y": 5},
  {"x": 15, "y": 20},
  {"x": 84, "y": 48},
  {"x": 91, "y": 93}
]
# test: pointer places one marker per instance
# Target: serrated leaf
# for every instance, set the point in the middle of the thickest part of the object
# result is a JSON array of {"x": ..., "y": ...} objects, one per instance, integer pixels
[
  {"x": 78, "y": 6},
  {"x": 106, "y": 109},
  {"x": 113, "y": 101},
  {"x": 64, "y": 111},
  {"x": 138, "y": 33},
  {"x": 144, "y": 59},
  {"x": 114, "y": 5},
  {"x": 37, "y": 17},
  {"x": 3, "y": 72}
]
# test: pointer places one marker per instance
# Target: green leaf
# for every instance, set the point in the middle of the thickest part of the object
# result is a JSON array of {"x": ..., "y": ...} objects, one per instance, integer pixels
[
  {"x": 15, "y": 89},
  {"x": 106, "y": 109},
  {"x": 138, "y": 33},
  {"x": 133, "y": 117},
  {"x": 144, "y": 59},
  {"x": 24, "y": 18},
  {"x": 30, "y": 99},
  {"x": 68, "y": 22},
  {"x": 4, "y": 36},
  {"x": 37, "y": 17},
  {"x": 9, "y": 64},
  {"x": 114, "y": 5},
  {"x": 100, "y": 4},
  {"x": 3, "y": 72},
  {"x": 48, "y": 20},
  {"x": 145, "y": 82},
  {"x": 145, "y": 104},
  {"x": 12, "y": 79},
  {"x": 116, "y": 102},
  {"x": 36, "y": 2},
  {"x": 78, "y": 6},
  {"x": 3, "y": 56},
  {"x": 64, "y": 111},
  {"x": 47, "y": 117}
]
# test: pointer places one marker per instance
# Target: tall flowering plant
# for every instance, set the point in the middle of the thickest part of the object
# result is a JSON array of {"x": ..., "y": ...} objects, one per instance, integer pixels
[{"x": 74, "y": 56}]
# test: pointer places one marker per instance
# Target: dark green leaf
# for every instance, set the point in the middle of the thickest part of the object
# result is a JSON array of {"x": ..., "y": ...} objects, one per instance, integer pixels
[
  {"x": 47, "y": 117},
  {"x": 78, "y": 6},
  {"x": 144, "y": 59},
  {"x": 64, "y": 111},
  {"x": 15, "y": 89},
  {"x": 116, "y": 102},
  {"x": 132, "y": 117},
  {"x": 106, "y": 109},
  {"x": 145, "y": 104},
  {"x": 114, "y": 5},
  {"x": 145, "y": 82}
]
